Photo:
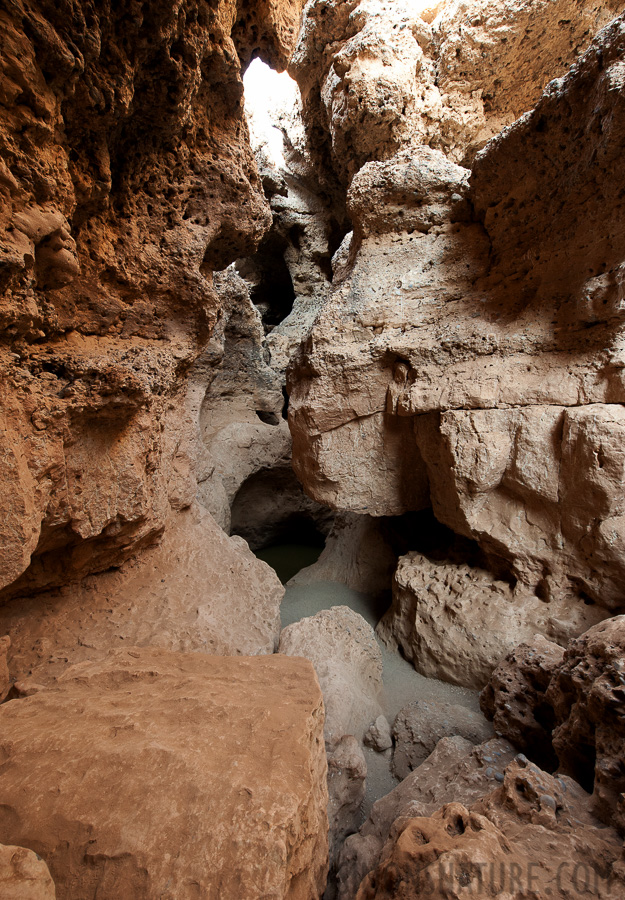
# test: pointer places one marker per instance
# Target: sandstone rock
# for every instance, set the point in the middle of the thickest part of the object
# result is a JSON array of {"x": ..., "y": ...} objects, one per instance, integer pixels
[
  {"x": 198, "y": 590},
  {"x": 455, "y": 772},
  {"x": 348, "y": 661},
  {"x": 456, "y": 621},
  {"x": 173, "y": 775},
  {"x": 127, "y": 178},
  {"x": 534, "y": 835},
  {"x": 514, "y": 698},
  {"x": 421, "y": 725},
  {"x": 347, "y": 773},
  {"x": 587, "y": 694},
  {"x": 24, "y": 875},
  {"x": 378, "y": 735}
]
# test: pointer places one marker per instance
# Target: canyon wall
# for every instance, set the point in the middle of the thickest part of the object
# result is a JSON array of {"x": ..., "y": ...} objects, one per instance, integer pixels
[
  {"x": 470, "y": 357},
  {"x": 127, "y": 178}
]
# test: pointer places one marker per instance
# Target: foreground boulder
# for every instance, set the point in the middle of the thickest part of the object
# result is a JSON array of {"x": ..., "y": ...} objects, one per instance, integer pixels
[
  {"x": 157, "y": 774},
  {"x": 24, "y": 876},
  {"x": 456, "y": 772},
  {"x": 532, "y": 837},
  {"x": 197, "y": 590}
]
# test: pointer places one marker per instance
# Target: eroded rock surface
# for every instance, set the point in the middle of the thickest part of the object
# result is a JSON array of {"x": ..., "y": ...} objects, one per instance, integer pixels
[
  {"x": 421, "y": 725},
  {"x": 348, "y": 661},
  {"x": 198, "y": 590},
  {"x": 533, "y": 835},
  {"x": 24, "y": 876},
  {"x": 126, "y": 179},
  {"x": 455, "y": 621},
  {"x": 464, "y": 362},
  {"x": 128, "y": 781},
  {"x": 514, "y": 698},
  {"x": 566, "y": 707},
  {"x": 455, "y": 772}
]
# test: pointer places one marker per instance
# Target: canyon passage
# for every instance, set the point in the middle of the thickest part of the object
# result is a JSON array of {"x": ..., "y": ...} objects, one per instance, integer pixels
[{"x": 312, "y": 449}]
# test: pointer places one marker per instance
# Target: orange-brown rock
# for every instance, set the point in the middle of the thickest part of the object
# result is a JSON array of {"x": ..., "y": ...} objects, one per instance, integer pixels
[
  {"x": 24, "y": 875},
  {"x": 533, "y": 837},
  {"x": 153, "y": 774},
  {"x": 198, "y": 590},
  {"x": 126, "y": 179}
]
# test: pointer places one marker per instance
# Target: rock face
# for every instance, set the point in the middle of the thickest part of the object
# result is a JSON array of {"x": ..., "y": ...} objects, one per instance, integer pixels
[
  {"x": 152, "y": 795},
  {"x": 24, "y": 876},
  {"x": 378, "y": 75},
  {"x": 587, "y": 694},
  {"x": 421, "y": 725},
  {"x": 198, "y": 590},
  {"x": 532, "y": 836},
  {"x": 463, "y": 361},
  {"x": 454, "y": 621},
  {"x": 566, "y": 708},
  {"x": 514, "y": 698},
  {"x": 343, "y": 649},
  {"x": 455, "y": 772},
  {"x": 126, "y": 178}
]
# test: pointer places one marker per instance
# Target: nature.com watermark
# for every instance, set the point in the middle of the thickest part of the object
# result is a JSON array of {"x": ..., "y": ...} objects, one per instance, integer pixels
[{"x": 472, "y": 880}]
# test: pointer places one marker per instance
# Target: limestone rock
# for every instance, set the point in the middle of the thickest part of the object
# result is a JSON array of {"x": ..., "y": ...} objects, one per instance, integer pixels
[
  {"x": 24, "y": 875},
  {"x": 456, "y": 621},
  {"x": 421, "y": 725},
  {"x": 514, "y": 698},
  {"x": 348, "y": 661},
  {"x": 218, "y": 760},
  {"x": 198, "y": 590},
  {"x": 455, "y": 772},
  {"x": 347, "y": 774},
  {"x": 356, "y": 553},
  {"x": 377, "y": 76},
  {"x": 535, "y": 832},
  {"x": 587, "y": 694},
  {"x": 378, "y": 736},
  {"x": 458, "y": 363}
]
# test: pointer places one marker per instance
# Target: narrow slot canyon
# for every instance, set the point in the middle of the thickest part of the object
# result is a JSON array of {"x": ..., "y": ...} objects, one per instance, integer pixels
[{"x": 312, "y": 463}]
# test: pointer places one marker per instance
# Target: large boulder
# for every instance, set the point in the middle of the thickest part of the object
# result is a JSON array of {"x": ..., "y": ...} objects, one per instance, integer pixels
[
  {"x": 455, "y": 772},
  {"x": 456, "y": 620},
  {"x": 157, "y": 774},
  {"x": 532, "y": 837},
  {"x": 348, "y": 661},
  {"x": 197, "y": 590}
]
